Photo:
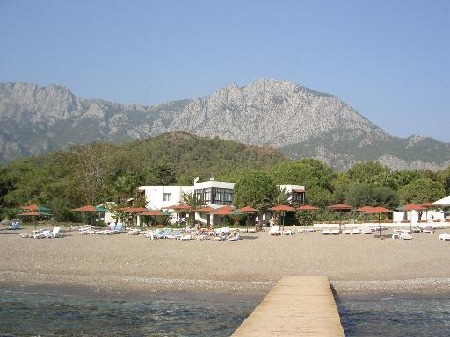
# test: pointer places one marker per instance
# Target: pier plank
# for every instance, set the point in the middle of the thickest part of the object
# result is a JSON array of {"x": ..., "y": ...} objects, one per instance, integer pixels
[{"x": 296, "y": 306}]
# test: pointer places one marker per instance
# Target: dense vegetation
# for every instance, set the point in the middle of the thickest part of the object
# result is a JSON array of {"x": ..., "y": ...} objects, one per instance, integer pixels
[{"x": 96, "y": 173}]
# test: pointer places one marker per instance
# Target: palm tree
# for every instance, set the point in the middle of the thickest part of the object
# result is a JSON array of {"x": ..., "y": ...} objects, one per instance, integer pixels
[{"x": 195, "y": 202}]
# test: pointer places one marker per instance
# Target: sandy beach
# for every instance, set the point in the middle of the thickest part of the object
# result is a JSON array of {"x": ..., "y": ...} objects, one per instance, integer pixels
[{"x": 355, "y": 264}]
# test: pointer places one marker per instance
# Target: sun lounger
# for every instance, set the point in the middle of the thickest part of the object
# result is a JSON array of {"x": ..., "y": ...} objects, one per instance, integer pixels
[
  {"x": 14, "y": 225},
  {"x": 235, "y": 237},
  {"x": 275, "y": 230},
  {"x": 366, "y": 230},
  {"x": 405, "y": 236},
  {"x": 444, "y": 237},
  {"x": 288, "y": 232},
  {"x": 185, "y": 237},
  {"x": 356, "y": 231},
  {"x": 428, "y": 229},
  {"x": 334, "y": 231},
  {"x": 56, "y": 233},
  {"x": 41, "y": 234},
  {"x": 173, "y": 235},
  {"x": 202, "y": 237},
  {"x": 326, "y": 232}
]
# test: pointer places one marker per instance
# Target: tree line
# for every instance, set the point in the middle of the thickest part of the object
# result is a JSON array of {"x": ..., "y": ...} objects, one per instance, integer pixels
[{"x": 96, "y": 173}]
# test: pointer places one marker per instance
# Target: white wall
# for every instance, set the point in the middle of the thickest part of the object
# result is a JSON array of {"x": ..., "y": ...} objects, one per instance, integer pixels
[{"x": 154, "y": 195}]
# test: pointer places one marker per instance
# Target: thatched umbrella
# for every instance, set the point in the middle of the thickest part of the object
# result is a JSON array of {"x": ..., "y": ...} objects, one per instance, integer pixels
[
  {"x": 413, "y": 207},
  {"x": 282, "y": 209},
  {"x": 378, "y": 210},
  {"x": 340, "y": 208}
]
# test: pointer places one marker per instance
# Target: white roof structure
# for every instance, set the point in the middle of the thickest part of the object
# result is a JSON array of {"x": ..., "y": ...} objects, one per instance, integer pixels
[{"x": 443, "y": 202}]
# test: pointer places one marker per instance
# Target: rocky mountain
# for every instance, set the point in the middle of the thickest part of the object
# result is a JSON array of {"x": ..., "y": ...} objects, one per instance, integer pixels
[{"x": 298, "y": 121}]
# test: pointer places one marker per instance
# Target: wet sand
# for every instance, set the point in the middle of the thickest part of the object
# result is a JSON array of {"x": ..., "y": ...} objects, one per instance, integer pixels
[{"x": 355, "y": 264}]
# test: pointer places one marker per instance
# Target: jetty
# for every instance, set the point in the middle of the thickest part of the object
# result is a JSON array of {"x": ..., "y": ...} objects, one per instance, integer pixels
[{"x": 296, "y": 306}]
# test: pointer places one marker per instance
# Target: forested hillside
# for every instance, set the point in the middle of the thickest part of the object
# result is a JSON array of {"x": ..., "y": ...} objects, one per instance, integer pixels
[{"x": 99, "y": 172}]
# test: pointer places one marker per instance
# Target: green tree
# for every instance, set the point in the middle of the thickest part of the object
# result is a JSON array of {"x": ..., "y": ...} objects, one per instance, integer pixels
[
  {"x": 256, "y": 189},
  {"x": 420, "y": 191},
  {"x": 123, "y": 186},
  {"x": 91, "y": 162}
]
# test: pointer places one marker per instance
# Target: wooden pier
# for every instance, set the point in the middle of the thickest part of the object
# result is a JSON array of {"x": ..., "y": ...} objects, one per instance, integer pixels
[{"x": 296, "y": 306}]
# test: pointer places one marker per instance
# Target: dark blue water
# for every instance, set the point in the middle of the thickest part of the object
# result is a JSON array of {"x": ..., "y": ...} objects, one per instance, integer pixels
[
  {"x": 70, "y": 311},
  {"x": 32, "y": 312},
  {"x": 395, "y": 316}
]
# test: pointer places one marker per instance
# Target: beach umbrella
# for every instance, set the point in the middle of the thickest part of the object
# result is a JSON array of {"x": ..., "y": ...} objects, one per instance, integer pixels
[
  {"x": 365, "y": 209},
  {"x": 249, "y": 210},
  {"x": 237, "y": 216},
  {"x": 413, "y": 207},
  {"x": 180, "y": 208},
  {"x": 132, "y": 211},
  {"x": 379, "y": 210},
  {"x": 307, "y": 208},
  {"x": 224, "y": 210},
  {"x": 206, "y": 210},
  {"x": 282, "y": 209},
  {"x": 340, "y": 208},
  {"x": 154, "y": 212},
  {"x": 34, "y": 215},
  {"x": 428, "y": 205},
  {"x": 306, "y": 217},
  {"x": 89, "y": 209}
]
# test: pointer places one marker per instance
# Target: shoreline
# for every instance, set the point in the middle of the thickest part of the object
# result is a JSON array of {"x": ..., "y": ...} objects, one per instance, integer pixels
[{"x": 408, "y": 287}]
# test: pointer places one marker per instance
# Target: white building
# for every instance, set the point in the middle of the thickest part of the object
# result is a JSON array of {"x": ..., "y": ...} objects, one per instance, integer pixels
[
  {"x": 297, "y": 193},
  {"x": 212, "y": 193}
]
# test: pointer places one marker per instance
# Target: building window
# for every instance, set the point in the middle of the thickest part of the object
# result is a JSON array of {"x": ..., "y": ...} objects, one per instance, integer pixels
[{"x": 166, "y": 196}]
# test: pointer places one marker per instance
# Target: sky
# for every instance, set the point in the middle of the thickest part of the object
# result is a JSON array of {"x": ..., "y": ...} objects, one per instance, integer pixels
[{"x": 388, "y": 59}]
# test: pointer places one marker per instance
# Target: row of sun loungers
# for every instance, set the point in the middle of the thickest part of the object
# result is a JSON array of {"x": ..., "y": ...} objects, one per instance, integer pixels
[
  {"x": 219, "y": 234},
  {"x": 44, "y": 233}
]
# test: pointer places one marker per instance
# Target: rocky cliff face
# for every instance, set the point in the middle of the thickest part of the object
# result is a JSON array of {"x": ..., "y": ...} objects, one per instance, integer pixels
[
  {"x": 299, "y": 121},
  {"x": 270, "y": 113}
]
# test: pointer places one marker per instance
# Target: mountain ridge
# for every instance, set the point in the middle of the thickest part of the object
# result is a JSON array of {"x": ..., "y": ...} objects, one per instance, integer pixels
[{"x": 292, "y": 118}]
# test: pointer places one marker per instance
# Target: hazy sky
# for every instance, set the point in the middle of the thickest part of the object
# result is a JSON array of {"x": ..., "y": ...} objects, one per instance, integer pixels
[{"x": 388, "y": 59}]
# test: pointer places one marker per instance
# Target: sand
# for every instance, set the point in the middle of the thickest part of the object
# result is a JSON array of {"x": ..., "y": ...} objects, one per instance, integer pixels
[{"x": 355, "y": 264}]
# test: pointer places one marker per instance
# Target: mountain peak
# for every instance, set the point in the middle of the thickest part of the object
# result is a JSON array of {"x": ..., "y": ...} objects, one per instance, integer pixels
[{"x": 279, "y": 114}]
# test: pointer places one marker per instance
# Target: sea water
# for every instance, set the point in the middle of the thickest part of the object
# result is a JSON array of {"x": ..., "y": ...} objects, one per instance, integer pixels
[
  {"x": 71, "y": 311},
  {"x": 395, "y": 315}
]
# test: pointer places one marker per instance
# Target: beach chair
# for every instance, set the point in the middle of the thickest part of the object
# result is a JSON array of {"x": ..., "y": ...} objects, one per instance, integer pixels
[
  {"x": 405, "y": 235},
  {"x": 288, "y": 232},
  {"x": 275, "y": 230},
  {"x": 56, "y": 233},
  {"x": 14, "y": 225},
  {"x": 326, "y": 232},
  {"x": 444, "y": 237},
  {"x": 356, "y": 231},
  {"x": 40, "y": 234},
  {"x": 235, "y": 237}
]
